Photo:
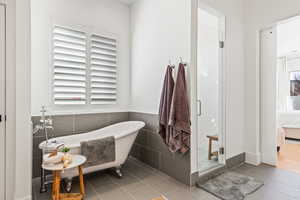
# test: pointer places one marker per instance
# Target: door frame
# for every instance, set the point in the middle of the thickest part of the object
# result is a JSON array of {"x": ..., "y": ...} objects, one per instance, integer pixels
[
  {"x": 260, "y": 141},
  {"x": 3, "y": 114},
  {"x": 267, "y": 146},
  {"x": 10, "y": 98},
  {"x": 222, "y": 79}
]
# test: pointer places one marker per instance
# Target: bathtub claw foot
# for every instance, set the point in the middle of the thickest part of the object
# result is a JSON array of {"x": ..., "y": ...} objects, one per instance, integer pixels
[{"x": 118, "y": 172}]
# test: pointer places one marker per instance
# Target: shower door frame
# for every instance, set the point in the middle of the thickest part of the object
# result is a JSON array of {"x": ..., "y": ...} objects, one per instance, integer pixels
[{"x": 222, "y": 84}]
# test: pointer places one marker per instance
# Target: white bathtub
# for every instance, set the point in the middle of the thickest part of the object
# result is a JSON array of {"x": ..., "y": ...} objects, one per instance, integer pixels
[{"x": 124, "y": 133}]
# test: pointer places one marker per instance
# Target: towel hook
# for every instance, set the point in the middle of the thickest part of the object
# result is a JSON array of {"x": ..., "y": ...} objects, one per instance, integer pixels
[
  {"x": 181, "y": 61},
  {"x": 170, "y": 64}
]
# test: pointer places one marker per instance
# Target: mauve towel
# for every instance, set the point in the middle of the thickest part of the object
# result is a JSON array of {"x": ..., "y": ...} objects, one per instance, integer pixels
[
  {"x": 165, "y": 106},
  {"x": 180, "y": 115},
  {"x": 98, "y": 151}
]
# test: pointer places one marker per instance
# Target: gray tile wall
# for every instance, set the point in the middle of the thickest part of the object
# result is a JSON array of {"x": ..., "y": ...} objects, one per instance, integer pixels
[
  {"x": 69, "y": 125},
  {"x": 150, "y": 149},
  {"x": 148, "y": 146},
  {"x": 236, "y": 161}
]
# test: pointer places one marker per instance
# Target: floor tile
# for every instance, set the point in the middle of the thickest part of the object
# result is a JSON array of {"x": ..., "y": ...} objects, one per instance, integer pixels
[
  {"x": 116, "y": 194},
  {"x": 142, "y": 182},
  {"x": 143, "y": 192}
]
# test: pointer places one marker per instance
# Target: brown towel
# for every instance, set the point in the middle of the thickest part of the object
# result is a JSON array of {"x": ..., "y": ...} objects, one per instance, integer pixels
[
  {"x": 165, "y": 106},
  {"x": 180, "y": 115}
]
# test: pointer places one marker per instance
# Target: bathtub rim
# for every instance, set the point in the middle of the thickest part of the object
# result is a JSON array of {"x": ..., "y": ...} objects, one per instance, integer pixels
[{"x": 139, "y": 126}]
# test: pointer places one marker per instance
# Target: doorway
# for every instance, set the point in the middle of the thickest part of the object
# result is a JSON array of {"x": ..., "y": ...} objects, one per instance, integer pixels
[
  {"x": 210, "y": 89},
  {"x": 280, "y": 94},
  {"x": 288, "y": 96},
  {"x": 2, "y": 99}
]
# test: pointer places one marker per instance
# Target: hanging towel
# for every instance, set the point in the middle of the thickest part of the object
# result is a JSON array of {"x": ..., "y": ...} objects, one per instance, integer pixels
[
  {"x": 99, "y": 151},
  {"x": 180, "y": 115},
  {"x": 165, "y": 106}
]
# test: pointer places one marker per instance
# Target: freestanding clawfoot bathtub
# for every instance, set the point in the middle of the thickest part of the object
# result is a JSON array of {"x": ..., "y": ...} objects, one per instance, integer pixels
[{"x": 124, "y": 133}]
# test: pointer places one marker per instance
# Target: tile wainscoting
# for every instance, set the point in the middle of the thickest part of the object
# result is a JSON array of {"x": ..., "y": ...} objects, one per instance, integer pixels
[
  {"x": 148, "y": 147},
  {"x": 69, "y": 125}
]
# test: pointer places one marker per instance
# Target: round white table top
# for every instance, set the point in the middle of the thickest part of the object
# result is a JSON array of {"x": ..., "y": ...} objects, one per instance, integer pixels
[{"x": 77, "y": 160}]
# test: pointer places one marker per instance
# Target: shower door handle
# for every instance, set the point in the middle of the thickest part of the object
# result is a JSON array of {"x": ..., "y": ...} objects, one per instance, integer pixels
[{"x": 199, "y": 105}]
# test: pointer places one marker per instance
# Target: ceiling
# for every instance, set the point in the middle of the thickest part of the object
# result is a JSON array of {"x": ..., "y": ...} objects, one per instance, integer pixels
[{"x": 128, "y": 1}]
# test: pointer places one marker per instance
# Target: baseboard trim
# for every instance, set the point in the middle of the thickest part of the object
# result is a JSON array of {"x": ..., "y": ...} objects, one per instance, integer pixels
[
  {"x": 253, "y": 159},
  {"x": 194, "y": 178},
  {"x": 25, "y": 198},
  {"x": 236, "y": 160},
  {"x": 232, "y": 162},
  {"x": 210, "y": 174}
]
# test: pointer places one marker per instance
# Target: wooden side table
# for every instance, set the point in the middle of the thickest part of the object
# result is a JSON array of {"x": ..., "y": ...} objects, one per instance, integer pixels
[
  {"x": 77, "y": 161},
  {"x": 212, "y": 138}
]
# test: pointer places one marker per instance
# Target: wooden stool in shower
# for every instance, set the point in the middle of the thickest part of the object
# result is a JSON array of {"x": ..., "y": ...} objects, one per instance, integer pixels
[{"x": 212, "y": 138}]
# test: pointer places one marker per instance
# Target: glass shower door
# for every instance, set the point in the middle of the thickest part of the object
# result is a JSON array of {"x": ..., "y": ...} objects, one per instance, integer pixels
[{"x": 209, "y": 90}]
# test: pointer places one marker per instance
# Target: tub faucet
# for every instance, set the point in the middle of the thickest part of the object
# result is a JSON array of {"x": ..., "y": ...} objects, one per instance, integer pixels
[{"x": 45, "y": 124}]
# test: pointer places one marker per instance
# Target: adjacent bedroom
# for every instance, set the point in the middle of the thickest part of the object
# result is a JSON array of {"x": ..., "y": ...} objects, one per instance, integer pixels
[{"x": 288, "y": 94}]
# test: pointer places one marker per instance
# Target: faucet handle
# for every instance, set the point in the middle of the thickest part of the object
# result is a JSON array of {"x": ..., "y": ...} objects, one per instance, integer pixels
[
  {"x": 36, "y": 129},
  {"x": 49, "y": 121},
  {"x": 49, "y": 127}
]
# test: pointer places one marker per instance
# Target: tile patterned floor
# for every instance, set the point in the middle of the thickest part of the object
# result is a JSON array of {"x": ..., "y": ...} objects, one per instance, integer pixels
[
  {"x": 141, "y": 182},
  {"x": 279, "y": 184}
]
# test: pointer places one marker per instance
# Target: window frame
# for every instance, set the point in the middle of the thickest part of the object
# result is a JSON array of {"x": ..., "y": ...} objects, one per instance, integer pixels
[
  {"x": 89, "y": 31},
  {"x": 290, "y": 67},
  {"x": 289, "y": 80}
]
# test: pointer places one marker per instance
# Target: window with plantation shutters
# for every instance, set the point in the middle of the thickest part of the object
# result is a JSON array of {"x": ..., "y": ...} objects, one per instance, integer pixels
[
  {"x": 84, "y": 67},
  {"x": 69, "y": 66},
  {"x": 103, "y": 70}
]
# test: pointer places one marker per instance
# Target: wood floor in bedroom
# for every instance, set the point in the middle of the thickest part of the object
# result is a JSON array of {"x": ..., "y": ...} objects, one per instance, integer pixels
[{"x": 289, "y": 157}]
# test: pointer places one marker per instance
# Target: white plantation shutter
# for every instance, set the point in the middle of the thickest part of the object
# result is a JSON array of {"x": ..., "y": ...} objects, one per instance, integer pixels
[
  {"x": 69, "y": 66},
  {"x": 103, "y": 70}
]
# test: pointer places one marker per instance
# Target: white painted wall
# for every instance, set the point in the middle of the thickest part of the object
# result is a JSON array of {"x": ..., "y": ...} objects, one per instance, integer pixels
[
  {"x": 259, "y": 14},
  {"x": 23, "y": 117},
  {"x": 161, "y": 30},
  {"x": 128, "y": 1},
  {"x": 108, "y": 16}
]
